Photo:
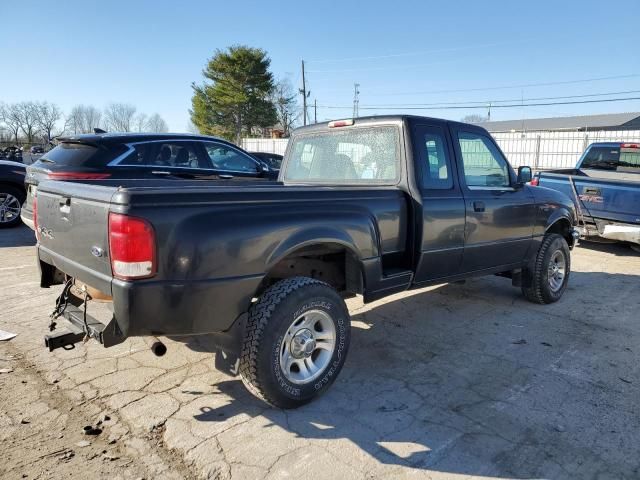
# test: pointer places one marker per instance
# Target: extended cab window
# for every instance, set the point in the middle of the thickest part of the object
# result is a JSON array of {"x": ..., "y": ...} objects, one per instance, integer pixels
[
  {"x": 350, "y": 155},
  {"x": 484, "y": 165},
  {"x": 612, "y": 158},
  {"x": 433, "y": 156}
]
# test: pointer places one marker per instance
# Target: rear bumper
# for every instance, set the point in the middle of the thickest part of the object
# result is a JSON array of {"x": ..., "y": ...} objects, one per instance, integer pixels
[
  {"x": 623, "y": 232},
  {"x": 157, "y": 307},
  {"x": 27, "y": 218}
]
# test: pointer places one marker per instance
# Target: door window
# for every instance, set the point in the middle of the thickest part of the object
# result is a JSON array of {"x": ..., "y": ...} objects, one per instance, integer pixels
[
  {"x": 483, "y": 164},
  {"x": 165, "y": 154},
  {"x": 226, "y": 158}
]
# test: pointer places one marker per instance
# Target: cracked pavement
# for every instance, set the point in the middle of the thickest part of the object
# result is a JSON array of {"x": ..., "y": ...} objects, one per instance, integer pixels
[{"x": 454, "y": 381}]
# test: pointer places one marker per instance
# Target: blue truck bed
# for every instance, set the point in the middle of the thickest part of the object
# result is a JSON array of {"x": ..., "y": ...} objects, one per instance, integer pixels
[{"x": 605, "y": 186}]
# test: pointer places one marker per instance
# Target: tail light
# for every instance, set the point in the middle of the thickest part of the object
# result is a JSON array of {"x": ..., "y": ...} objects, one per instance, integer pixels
[
  {"x": 132, "y": 247},
  {"x": 35, "y": 216},
  {"x": 535, "y": 181},
  {"x": 77, "y": 176},
  {"x": 341, "y": 123}
]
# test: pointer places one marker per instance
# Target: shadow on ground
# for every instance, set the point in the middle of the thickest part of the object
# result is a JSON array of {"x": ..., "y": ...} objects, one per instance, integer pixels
[
  {"x": 17, "y": 237},
  {"x": 619, "y": 249},
  {"x": 474, "y": 380}
]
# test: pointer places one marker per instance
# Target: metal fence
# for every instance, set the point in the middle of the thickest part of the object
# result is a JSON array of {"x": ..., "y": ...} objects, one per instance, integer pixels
[
  {"x": 540, "y": 150},
  {"x": 546, "y": 150}
]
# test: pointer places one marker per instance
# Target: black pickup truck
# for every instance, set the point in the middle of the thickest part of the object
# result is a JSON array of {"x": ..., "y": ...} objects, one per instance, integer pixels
[{"x": 371, "y": 206}]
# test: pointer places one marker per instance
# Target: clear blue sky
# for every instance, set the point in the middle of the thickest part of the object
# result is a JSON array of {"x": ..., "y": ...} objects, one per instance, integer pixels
[{"x": 149, "y": 52}]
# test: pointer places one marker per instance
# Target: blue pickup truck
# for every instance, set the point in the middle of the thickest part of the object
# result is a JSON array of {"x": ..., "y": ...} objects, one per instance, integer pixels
[{"x": 605, "y": 187}]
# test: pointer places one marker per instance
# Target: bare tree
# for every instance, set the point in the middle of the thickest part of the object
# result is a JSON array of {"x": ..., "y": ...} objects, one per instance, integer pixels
[
  {"x": 119, "y": 117},
  {"x": 10, "y": 117},
  {"x": 284, "y": 99},
  {"x": 27, "y": 113},
  {"x": 48, "y": 115},
  {"x": 141, "y": 123},
  {"x": 191, "y": 128},
  {"x": 83, "y": 118},
  {"x": 157, "y": 124}
]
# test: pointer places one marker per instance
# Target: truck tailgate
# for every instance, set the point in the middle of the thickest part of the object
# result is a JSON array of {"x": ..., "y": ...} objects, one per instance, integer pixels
[{"x": 73, "y": 230}]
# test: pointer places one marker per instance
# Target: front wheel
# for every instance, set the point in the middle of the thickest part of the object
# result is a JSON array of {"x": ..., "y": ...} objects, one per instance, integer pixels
[
  {"x": 11, "y": 200},
  {"x": 295, "y": 343},
  {"x": 547, "y": 280}
]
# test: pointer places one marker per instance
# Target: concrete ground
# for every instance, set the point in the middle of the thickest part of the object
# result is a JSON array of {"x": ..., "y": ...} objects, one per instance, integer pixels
[{"x": 455, "y": 381}]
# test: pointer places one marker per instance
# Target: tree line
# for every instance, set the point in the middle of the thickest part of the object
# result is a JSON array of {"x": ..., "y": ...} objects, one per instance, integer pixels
[
  {"x": 240, "y": 96},
  {"x": 40, "y": 122}
]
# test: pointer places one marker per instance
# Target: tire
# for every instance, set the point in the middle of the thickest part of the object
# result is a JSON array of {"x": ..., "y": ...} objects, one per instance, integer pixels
[
  {"x": 11, "y": 201},
  {"x": 276, "y": 334},
  {"x": 544, "y": 283}
]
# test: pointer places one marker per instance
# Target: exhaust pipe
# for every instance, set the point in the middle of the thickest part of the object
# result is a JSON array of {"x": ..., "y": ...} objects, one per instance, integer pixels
[{"x": 157, "y": 347}]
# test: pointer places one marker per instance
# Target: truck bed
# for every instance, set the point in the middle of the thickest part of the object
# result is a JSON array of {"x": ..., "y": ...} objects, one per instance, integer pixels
[{"x": 612, "y": 196}]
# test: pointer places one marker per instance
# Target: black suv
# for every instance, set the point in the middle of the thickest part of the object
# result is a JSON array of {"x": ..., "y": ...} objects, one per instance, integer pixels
[{"x": 142, "y": 155}]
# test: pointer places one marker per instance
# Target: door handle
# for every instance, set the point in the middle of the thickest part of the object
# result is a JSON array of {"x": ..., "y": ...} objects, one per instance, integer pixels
[{"x": 478, "y": 206}]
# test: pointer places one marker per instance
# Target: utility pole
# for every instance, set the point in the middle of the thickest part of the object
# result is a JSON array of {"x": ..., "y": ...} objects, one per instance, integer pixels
[
  {"x": 303, "y": 91},
  {"x": 315, "y": 110},
  {"x": 356, "y": 99},
  {"x": 489, "y": 113}
]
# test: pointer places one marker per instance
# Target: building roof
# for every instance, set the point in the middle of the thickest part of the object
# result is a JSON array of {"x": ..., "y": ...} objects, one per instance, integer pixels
[{"x": 607, "y": 121}]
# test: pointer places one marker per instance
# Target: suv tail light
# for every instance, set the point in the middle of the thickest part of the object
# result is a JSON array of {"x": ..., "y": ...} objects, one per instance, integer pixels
[
  {"x": 535, "y": 181},
  {"x": 77, "y": 176},
  {"x": 35, "y": 216},
  {"x": 132, "y": 247}
]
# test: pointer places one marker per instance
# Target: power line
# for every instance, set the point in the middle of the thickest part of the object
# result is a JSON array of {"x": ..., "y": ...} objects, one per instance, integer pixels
[
  {"x": 462, "y": 107},
  {"x": 484, "y": 103},
  {"x": 506, "y": 87}
]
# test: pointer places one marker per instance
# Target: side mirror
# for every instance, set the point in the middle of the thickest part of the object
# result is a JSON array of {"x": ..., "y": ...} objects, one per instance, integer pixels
[{"x": 524, "y": 175}]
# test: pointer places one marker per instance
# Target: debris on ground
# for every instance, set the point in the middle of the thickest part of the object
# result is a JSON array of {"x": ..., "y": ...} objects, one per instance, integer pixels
[{"x": 4, "y": 335}]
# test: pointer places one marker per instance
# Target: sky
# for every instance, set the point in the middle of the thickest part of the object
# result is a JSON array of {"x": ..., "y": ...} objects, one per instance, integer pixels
[{"x": 403, "y": 54}]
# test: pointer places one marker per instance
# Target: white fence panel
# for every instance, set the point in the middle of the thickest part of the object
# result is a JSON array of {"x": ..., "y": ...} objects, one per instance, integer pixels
[
  {"x": 540, "y": 150},
  {"x": 268, "y": 145}
]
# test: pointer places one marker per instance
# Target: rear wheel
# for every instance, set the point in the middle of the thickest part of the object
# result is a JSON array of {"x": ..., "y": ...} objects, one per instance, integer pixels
[
  {"x": 11, "y": 200},
  {"x": 548, "y": 279},
  {"x": 295, "y": 343}
]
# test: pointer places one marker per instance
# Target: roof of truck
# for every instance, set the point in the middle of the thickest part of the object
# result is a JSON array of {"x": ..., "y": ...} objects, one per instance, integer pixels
[{"x": 385, "y": 119}]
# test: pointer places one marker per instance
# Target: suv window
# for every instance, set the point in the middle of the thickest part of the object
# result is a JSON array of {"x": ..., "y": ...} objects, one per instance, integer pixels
[
  {"x": 82, "y": 155},
  {"x": 165, "y": 154},
  {"x": 227, "y": 158},
  {"x": 434, "y": 158},
  {"x": 612, "y": 158},
  {"x": 483, "y": 164},
  {"x": 353, "y": 155}
]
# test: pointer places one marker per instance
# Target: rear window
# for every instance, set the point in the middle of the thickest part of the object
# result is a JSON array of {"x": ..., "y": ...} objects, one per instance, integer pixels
[
  {"x": 612, "y": 158},
  {"x": 350, "y": 156},
  {"x": 82, "y": 155}
]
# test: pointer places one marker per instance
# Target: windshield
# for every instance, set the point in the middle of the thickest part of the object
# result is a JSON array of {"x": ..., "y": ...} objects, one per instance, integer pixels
[{"x": 352, "y": 155}]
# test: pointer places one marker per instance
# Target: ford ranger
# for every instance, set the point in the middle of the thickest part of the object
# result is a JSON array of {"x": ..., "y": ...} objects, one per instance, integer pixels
[{"x": 371, "y": 206}]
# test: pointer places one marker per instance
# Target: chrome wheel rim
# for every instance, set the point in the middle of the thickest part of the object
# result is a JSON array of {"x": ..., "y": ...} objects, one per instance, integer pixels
[
  {"x": 557, "y": 270},
  {"x": 307, "y": 347},
  {"x": 9, "y": 208}
]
